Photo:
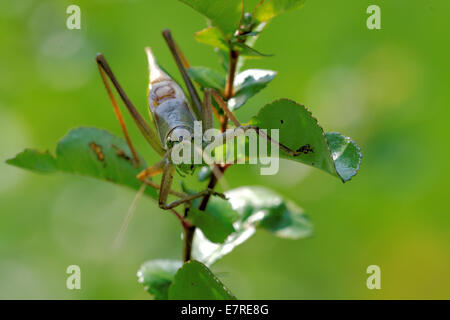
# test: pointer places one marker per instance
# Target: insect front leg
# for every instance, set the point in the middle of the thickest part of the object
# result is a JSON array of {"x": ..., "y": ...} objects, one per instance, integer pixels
[
  {"x": 158, "y": 187},
  {"x": 166, "y": 182},
  {"x": 152, "y": 171},
  {"x": 189, "y": 198}
]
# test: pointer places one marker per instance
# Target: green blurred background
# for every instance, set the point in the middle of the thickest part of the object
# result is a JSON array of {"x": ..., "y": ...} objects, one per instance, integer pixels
[{"x": 387, "y": 89}]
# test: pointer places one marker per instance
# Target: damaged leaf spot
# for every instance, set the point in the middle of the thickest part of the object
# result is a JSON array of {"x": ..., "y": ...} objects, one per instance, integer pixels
[
  {"x": 121, "y": 154},
  {"x": 281, "y": 121},
  {"x": 97, "y": 150},
  {"x": 305, "y": 149}
]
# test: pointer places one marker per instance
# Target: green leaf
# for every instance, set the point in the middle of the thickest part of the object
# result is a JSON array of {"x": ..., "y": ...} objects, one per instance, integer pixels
[
  {"x": 194, "y": 281},
  {"x": 250, "y": 42},
  {"x": 34, "y": 160},
  {"x": 286, "y": 221},
  {"x": 346, "y": 154},
  {"x": 216, "y": 222},
  {"x": 266, "y": 209},
  {"x": 157, "y": 276},
  {"x": 247, "y": 84},
  {"x": 299, "y": 130},
  {"x": 207, "y": 78},
  {"x": 213, "y": 37},
  {"x": 224, "y": 14},
  {"x": 258, "y": 207},
  {"x": 89, "y": 152},
  {"x": 271, "y": 8}
]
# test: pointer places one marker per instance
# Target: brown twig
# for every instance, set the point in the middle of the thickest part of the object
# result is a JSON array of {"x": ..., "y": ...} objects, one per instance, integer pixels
[
  {"x": 234, "y": 55},
  {"x": 188, "y": 237}
]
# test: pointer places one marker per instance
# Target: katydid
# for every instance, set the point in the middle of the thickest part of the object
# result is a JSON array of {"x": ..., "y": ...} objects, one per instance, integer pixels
[{"x": 171, "y": 114}]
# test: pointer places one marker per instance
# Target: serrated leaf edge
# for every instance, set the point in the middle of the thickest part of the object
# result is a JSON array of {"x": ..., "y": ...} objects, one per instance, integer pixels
[{"x": 323, "y": 134}]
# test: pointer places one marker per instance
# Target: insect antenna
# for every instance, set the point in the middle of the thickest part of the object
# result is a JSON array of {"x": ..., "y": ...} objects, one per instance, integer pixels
[{"x": 126, "y": 221}]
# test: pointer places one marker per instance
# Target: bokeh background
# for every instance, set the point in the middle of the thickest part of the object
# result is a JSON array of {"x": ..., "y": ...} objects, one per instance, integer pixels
[{"x": 387, "y": 89}]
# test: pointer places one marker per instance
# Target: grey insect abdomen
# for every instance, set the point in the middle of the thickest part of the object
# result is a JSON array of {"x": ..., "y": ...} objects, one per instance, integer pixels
[
  {"x": 168, "y": 105},
  {"x": 170, "y": 117}
]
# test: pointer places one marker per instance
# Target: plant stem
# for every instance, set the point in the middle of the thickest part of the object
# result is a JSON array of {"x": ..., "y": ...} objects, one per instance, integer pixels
[
  {"x": 190, "y": 230},
  {"x": 188, "y": 237},
  {"x": 231, "y": 74},
  {"x": 223, "y": 121}
]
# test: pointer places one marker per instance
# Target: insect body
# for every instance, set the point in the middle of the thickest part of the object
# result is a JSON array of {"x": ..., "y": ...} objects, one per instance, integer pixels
[
  {"x": 172, "y": 116},
  {"x": 168, "y": 105}
]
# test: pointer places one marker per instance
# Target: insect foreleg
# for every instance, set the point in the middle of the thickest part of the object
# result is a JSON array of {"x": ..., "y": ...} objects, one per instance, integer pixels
[
  {"x": 152, "y": 171},
  {"x": 158, "y": 187},
  {"x": 189, "y": 198}
]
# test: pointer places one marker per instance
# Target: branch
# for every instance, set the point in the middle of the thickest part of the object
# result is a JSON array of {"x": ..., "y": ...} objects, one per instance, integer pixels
[
  {"x": 234, "y": 55},
  {"x": 188, "y": 237}
]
